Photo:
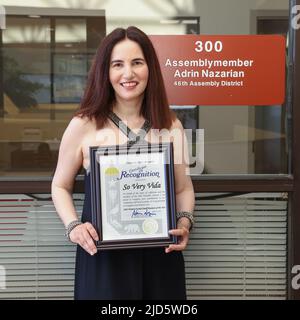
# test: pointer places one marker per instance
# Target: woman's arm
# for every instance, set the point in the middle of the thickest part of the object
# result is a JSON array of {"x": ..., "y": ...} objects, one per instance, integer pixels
[
  {"x": 185, "y": 196},
  {"x": 69, "y": 162}
]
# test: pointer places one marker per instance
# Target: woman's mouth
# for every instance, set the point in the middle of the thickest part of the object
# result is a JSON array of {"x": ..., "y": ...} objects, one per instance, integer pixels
[{"x": 129, "y": 84}]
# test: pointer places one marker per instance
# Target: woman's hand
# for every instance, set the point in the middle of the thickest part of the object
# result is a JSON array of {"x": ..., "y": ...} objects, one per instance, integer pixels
[
  {"x": 84, "y": 235},
  {"x": 183, "y": 233}
]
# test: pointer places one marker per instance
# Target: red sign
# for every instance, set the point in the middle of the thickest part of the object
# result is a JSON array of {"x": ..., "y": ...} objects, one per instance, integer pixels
[{"x": 223, "y": 70}]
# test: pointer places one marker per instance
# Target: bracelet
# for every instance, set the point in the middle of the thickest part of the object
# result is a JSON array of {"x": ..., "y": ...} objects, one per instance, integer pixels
[
  {"x": 188, "y": 215},
  {"x": 70, "y": 227}
]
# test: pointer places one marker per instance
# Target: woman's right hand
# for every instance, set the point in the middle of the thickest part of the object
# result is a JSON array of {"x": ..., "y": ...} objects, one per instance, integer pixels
[{"x": 84, "y": 235}]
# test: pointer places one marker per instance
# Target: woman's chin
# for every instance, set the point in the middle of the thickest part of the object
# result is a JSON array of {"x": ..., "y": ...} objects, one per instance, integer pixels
[{"x": 130, "y": 97}]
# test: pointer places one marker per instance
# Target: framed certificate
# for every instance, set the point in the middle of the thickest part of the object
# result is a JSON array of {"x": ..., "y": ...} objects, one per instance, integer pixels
[{"x": 133, "y": 195}]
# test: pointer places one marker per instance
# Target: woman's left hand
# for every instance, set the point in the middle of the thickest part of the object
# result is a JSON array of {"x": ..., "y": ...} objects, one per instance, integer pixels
[{"x": 183, "y": 234}]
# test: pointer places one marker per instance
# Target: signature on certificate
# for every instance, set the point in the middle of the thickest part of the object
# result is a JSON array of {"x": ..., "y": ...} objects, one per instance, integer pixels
[{"x": 135, "y": 213}]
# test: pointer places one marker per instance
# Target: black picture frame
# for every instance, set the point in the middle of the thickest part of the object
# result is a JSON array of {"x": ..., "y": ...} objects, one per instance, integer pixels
[{"x": 101, "y": 181}]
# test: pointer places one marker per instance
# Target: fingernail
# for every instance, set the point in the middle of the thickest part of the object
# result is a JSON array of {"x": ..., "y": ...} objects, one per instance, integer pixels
[{"x": 91, "y": 253}]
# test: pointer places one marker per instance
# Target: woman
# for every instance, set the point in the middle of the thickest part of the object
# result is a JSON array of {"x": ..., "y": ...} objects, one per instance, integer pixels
[{"x": 125, "y": 83}]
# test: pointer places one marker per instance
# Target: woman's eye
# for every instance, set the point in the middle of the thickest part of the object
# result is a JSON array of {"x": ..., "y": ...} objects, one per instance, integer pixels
[{"x": 116, "y": 65}]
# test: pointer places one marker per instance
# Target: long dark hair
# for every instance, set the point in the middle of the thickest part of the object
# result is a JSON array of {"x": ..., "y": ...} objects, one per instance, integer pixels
[{"x": 99, "y": 94}]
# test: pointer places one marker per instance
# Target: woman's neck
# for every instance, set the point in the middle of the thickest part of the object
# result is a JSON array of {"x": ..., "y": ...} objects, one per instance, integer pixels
[{"x": 127, "y": 110}]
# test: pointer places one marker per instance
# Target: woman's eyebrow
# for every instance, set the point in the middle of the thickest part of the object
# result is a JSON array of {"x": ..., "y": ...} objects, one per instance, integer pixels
[
  {"x": 116, "y": 61},
  {"x": 138, "y": 59},
  {"x": 119, "y": 60}
]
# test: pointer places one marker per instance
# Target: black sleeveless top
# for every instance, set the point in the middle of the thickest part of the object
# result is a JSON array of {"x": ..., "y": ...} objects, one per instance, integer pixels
[{"x": 129, "y": 274}]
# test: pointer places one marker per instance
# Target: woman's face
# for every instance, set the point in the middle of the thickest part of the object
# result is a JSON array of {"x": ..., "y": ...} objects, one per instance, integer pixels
[{"x": 128, "y": 72}]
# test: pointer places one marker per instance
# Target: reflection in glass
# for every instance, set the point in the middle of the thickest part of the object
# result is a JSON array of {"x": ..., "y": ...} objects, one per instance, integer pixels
[
  {"x": 70, "y": 72},
  {"x": 44, "y": 62}
]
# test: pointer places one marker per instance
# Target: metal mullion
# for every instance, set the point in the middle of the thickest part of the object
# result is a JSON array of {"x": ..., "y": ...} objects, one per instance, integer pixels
[
  {"x": 43, "y": 185},
  {"x": 294, "y": 217}
]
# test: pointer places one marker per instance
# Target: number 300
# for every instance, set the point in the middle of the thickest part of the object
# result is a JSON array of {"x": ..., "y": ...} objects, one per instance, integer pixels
[{"x": 208, "y": 46}]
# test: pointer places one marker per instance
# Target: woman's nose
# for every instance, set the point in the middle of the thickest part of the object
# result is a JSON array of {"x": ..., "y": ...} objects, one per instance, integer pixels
[{"x": 128, "y": 72}]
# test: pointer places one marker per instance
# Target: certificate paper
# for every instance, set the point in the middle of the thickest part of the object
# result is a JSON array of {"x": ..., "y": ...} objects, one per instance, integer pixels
[
  {"x": 135, "y": 197},
  {"x": 134, "y": 202}
]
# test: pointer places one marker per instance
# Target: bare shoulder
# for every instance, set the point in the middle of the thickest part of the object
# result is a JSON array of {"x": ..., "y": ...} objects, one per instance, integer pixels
[
  {"x": 79, "y": 126},
  {"x": 176, "y": 124}
]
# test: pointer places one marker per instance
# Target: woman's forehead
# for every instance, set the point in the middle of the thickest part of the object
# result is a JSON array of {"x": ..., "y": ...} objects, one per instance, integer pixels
[{"x": 126, "y": 49}]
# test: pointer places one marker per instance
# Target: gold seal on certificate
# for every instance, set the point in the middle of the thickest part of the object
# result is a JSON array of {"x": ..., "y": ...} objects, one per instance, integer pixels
[
  {"x": 133, "y": 197},
  {"x": 150, "y": 226}
]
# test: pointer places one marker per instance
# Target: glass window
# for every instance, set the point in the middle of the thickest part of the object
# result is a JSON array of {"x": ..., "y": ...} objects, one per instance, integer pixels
[{"x": 45, "y": 60}]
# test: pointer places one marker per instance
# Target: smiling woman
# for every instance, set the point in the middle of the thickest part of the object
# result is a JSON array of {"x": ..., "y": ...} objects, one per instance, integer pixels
[
  {"x": 125, "y": 84},
  {"x": 128, "y": 72},
  {"x": 133, "y": 71}
]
